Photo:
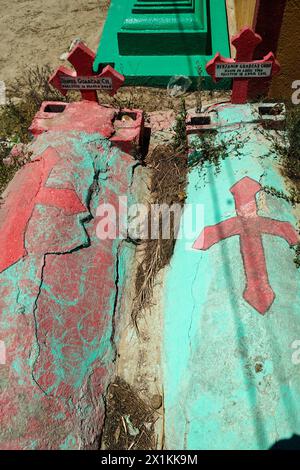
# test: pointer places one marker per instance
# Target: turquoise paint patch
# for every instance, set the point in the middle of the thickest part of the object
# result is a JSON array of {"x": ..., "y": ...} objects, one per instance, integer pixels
[
  {"x": 18, "y": 366},
  {"x": 69, "y": 443},
  {"x": 229, "y": 380}
]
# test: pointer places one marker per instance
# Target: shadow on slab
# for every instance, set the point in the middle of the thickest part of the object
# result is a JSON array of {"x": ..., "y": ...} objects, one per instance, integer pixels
[{"x": 287, "y": 444}]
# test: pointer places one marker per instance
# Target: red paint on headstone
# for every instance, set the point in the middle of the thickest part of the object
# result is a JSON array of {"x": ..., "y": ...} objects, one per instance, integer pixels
[
  {"x": 245, "y": 43},
  {"x": 17, "y": 210},
  {"x": 250, "y": 227},
  {"x": 82, "y": 116},
  {"x": 82, "y": 59}
]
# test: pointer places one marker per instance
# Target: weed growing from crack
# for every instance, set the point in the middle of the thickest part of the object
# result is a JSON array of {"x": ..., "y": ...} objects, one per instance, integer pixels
[
  {"x": 207, "y": 150},
  {"x": 291, "y": 152},
  {"x": 293, "y": 199}
]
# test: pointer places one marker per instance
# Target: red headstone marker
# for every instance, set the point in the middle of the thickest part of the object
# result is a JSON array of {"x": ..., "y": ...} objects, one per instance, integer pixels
[
  {"x": 243, "y": 68},
  {"x": 250, "y": 227},
  {"x": 83, "y": 78}
]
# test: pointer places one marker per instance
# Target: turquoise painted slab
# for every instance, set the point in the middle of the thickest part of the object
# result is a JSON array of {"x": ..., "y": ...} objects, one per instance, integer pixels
[{"x": 231, "y": 380}]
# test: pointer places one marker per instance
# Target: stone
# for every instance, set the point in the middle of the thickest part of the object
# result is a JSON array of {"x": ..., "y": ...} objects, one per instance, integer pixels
[{"x": 156, "y": 402}]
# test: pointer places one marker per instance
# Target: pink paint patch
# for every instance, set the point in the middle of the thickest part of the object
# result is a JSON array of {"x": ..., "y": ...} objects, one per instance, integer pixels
[{"x": 28, "y": 189}]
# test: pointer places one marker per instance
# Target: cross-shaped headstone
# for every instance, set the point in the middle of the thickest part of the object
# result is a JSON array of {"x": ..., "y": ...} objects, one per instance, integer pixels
[
  {"x": 243, "y": 68},
  {"x": 83, "y": 78}
]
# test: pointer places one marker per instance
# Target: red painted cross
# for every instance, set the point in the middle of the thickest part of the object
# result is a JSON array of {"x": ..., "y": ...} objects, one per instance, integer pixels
[
  {"x": 30, "y": 190},
  {"x": 242, "y": 67},
  {"x": 83, "y": 78},
  {"x": 250, "y": 227}
]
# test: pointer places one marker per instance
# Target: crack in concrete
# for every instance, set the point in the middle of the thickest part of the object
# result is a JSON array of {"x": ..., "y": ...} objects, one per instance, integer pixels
[
  {"x": 112, "y": 338},
  {"x": 91, "y": 191},
  {"x": 133, "y": 168},
  {"x": 114, "y": 313}
]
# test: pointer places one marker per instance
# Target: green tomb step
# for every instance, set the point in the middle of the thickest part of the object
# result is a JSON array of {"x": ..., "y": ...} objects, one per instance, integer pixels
[
  {"x": 160, "y": 32},
  {"x": 150, "y": 41},
  {"x": 164, "y": 6}
]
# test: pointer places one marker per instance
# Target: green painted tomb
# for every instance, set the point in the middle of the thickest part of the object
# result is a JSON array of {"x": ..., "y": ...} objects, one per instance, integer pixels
[{"x": 150, "y": 41}]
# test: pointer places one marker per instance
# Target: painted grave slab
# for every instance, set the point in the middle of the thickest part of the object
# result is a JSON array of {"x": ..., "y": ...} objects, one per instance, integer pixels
[
  {"x": 232, "y": 301},
  {"x": 60, "y": 284},
  {"x": 149, "y": 42}
]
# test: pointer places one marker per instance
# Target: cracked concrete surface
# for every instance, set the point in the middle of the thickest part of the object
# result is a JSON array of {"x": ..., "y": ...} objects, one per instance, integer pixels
[{"x": 59, "y": 301}]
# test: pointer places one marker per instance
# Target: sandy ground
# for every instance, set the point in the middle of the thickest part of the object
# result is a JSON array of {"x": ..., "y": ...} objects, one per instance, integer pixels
[{"x": 37, "y": 32}]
